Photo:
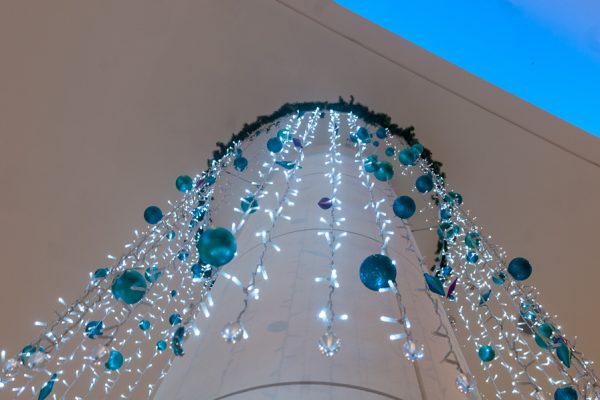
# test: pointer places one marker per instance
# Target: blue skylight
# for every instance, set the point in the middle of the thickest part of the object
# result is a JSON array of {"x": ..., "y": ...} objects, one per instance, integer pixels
[{"x": 546, "y": 52}]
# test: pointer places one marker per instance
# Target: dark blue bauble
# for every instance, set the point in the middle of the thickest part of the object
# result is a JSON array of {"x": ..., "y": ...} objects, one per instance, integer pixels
[
  {"x": 376, "y": 143},
  {"x": 376, "y": 270},
  {"x": 184, "y": 183},
  {"x": 370, "y": 163},
  {"x": 407, "y": 157},
  {"x": 115, "y": 360},
  {"x": 353, "y": 138},
  {"x": 94, "y": 329},
  {"x": 153, "y": 215},
  {"x": 486, "y": 353},
  {"x": 389, "y": 151},
  {"x": 384, "y": 171},
  {"x": 381, "y": 133},
  {"x": 519, "y": 268},
  {"x": 129, "y": 287},
  {"x": 325, "y": 203},
  {"x": 424, "y": 183},
  {"x": 445, "y": 213},
  {"x": 173, "y": 293},
  {"x": 274, "y": 145},
  {"x": 216, "y": 246},
  {"x": 472, "y": 257},
  {"x": 404, "y": 207},
  {"x": 249, "y": 203},
  {"x": 566, "y": 393},
  {"x": 240, "y": 163},
  {"x": 363, "y": 135}
]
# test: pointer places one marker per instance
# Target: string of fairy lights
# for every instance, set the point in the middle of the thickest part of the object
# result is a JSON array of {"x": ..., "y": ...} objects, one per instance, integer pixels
[{"x": 124, "y": 332}]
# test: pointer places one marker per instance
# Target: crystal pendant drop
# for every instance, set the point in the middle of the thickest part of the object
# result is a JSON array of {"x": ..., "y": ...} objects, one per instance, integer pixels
[
  {"x": 412, "y": 352},
  {"x": 329, "y": 344},
  {"x": 10, "y": 366},
  {"x": 539, "y": 396},
  {"x": 464, "y": 384},
  {"x": 98, "y": 353},
  {"x": 36, "y": 359},
  {"x": 232, "y": 332}
]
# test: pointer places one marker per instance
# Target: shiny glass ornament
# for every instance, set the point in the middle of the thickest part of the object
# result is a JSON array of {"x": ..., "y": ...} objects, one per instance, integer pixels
[
  {"x": 565, "y": 393},
  {"x": 325, "y": 203},
  {"x": 170, "y": 235},
  {"x": 274, "y": 145},
  {"x": 177, "y": 342},
  {"x": 115, "y": 360},
  {"x": 363, "y": 134},
  {"x": 161, "y": 345},
  {"x": 384, "y": 171},
  {"x": 232, "y": 332},
  {"x": 453, "y": 197},
  {"x": 144, "y": 324},
  {"x": 472, "y": 257},
  {"x": 485, "y": 296},
  {"x": 407, "y": 157},
  {"x": 129, "y": 287},
  {"x": 417, "y": 149},
  {"x": 519, "y": 268},
  {"x": 376, "y": 270},
  {"x": 424, "y": 184},
  {"x": 284, "y": 134},
  {"x": 101, "y": 273},
  {"x": 153, "y": 215},
  {"x": 216, "y": 246},
  {"x": 184, "y": 183},
  {"x": 499, "y": 278},
  {"x": 370, "y": 163},
  {"x": 473, "y": 240},
  {"x": 297, "y": 142},
  {"x": 27, "y": 352},
  {"x": 390, "y": 151},
  {"x": 249, "y": 204},
  {"x": 376, "y": 143},
  {"x": 329, "y": 344},
  {"x": 543, "y": 334},
  {"x": 173, "y": 293},
  {"x": 286, "y": 164},
  {"x": 404, "y": 207},
  {"x": 98, "y": 353},
  {"x": 94, "y": 329},
  {"x": 434, "y": 284},
  {"x": 486, "y": 353},
  {"x": 183, "y": 255},
  {"x": 10, "y": 366},
  {"x": 175, "y": 319},
  {"x": 47, "y": 388},
  {"x": 412, "y": 352},
  {"x": 464, "y": 384},
  {"x": 381, "y": 133},
  {"x": 152, "y": 273},
  {"x": 563, "y": 353},
  {"x": 240, "y": 163}
]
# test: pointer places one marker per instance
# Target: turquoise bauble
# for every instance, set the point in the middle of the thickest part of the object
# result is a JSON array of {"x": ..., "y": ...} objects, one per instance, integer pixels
[
  {"x": 407, "y": 157},
  {"x": 353, "y": 138},
  {"x": 129, "y": 287},
  {"x": 249, "y": 204},
  {"x": 486, "y": 353},
  {"x": 566, "y": 393},
  {"x": 94, "y": 329},
  {"x": 175, "y": 319},
  {"x": 543, "y": 334},
  {"x": 453, "y": 197},
  {"x": 170, "y": 235},
  {"x": 384, "y": 171},
  {"x": 240, "y": 163},
  {"x": 152, "y": 273},
  {"x": 284, "y": 134},
  {"x": 564, "y": 354},
  {"x": 381, "y": 133},
  {"x": 519, "y": 268},
  {"x": 376, "y": 270},
  {"x": 274, "y": 145},
  {"x": 100, "y": 273},
  {"x": 161, "y": 345},
  {"x": 389, "y": 151},
  {"x": 404, "y": 207},
  {"x": 472, "y": 257},
  {"x": 115, "y": 360},
  {"x": 184, "y": 183},
  {"x": 472, "y": 240},
  {"x": 370, "y": 163},
  {"x": 216, "y": 246},
  {"x": 144, "y": 324},
  {"x": 417, "y": 149},
  {"x": 363, "y": 135},
  {"x": 27, "y": 352},
  {"x": 153, "y": 215},
  {"x": 424, "y": 183},
  {"x": 498, "y": 278}
]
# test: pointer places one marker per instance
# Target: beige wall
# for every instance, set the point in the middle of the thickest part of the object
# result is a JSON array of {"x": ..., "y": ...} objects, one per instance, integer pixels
[{"x": 104, "y": 103}]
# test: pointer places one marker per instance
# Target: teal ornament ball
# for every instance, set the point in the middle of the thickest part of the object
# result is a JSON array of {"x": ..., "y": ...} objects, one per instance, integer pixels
[
  {"x": 424, "y": 183},
  {"x": 184, "y": 183},
  {"x": 284, "y": 134},
  {"x": 175, "y": 319},
  {"x": 115, "y": 360},
  {"x": 152, "y": 273},
  {"x": 370, "y": 163},
  {"x": 384, "y": 171},
  {"x": 94, "y": 329},
  {"x": 240, "y": 163},
  {"x": 543, "y": 335},
  {"x": 453, "y": 197},
  {"x": 499, "y": 278},
  {"x": 27, "y": 352},
  {"x": 404, "y": 207},
  {"x": 486, "y": 353},
  {"x": 161, "y": 345},
  {"x": 249, "y": 204},
  {"x": 170, "y": 235},
  {"x": 472, "y": 257},
  {"x": 100, "y": 273},
  {"x": 519, "y": 268},
  {"x": 363, "y": 134},
  {"x": 375, "y": 272},
  {"x": 216, "y": 246},
  {"x": 565, "y": 393},
  {"x": 417, "y": 149},
  {"x": 153, "y": 215},
  {"x": 274, "y": 145},
  {"x": 381, "y": 133},
  {"x": 407, "y": 157},
  {"x": 129, "y": 287},
  {"x": 144, "y": 324},
  {"x": 389, "y": 151},
  {"x": 472, "y": 240}
]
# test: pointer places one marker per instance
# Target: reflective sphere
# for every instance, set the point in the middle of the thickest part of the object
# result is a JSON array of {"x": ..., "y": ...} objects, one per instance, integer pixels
[
  {"x": 417, "y": 149},
  {"x": 284, "y": 134},
  {"x": 240, "y": 163},
  {"x": 184, "y": 183},
  {"x": 175, "y": 319},
  {"x": 424, "y": 183},
  {"x": 325, "y": 203},
  {"x": 381, "y": 133},
  {"x": 232, "y": 332},
  {"x": 376, "y": 270},
  {"x": 249, "y": 204},
  {"x": 144, "y": 324},
  {"x": 129, "y": 287},
  {"x": 274, "y": 145},
  {"x": 161, "y": 345},
  {"x": 153, "y": 215},
  {"x": 363, "y": 134},
  {"x": 486, "y": 353},
  {"x": 404, "y": 207},
  {"x": 472, "y": 240},
  {"x": 407, "y": 157},
  {"x": 370, "y": 163},
  {"x": 115, "y": 360},
  {"x": 519, "y": 268},
  {"x": 94, "y": 329},
  {"x": 329, "y": 344},
  {"x": 384, "y": 171},
  {"x": 216, "y": 246},
  {"x": 472, "y": 257},
  {"x": 389, "y": 151},
  {"x": 566, "y": 393}
]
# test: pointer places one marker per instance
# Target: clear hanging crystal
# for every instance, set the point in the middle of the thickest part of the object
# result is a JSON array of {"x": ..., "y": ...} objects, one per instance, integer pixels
[
  {"x": 10, "y": 366},
  {"x": 99, "y": 353},
  {"x": 539, "y": 395},
  {"x": 329, "y": 344},
  {"x": 36, "y": 359},
  {"x": 464, "y": 384},
  {"x": 412, "y": 352},
  {"x": 232, "y": 332}
]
